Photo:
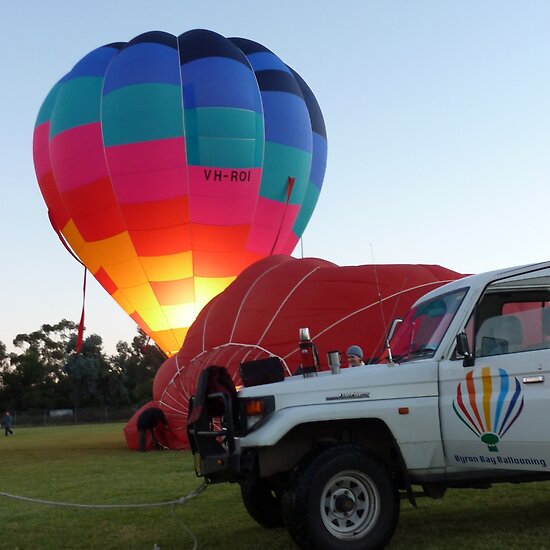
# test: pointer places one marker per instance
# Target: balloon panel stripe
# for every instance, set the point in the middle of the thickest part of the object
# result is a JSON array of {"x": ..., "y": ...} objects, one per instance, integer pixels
[
  {"x": 229, "y": 238},
  {"x": 315, "y": 115},
  {"x": 77, "y": 104},
  {"x": 47, "y": 107},
  {"x": 149, "y": 171},
  {"x": 170, "y": 292},
  {"x": 170, "y": 267},
  {"x": 222, "y": 264},
  {"x": 223, "y": 152},
  {"x": 247, "y": 46},
  {"x": 219, "y": 82},
  {"x": 306, "y": 210},
  {"x": 223, "y": 122},
  {"x": 201, "y": 43},
  {"x": 161, "y": 242},
  {"x": 318, "y": 161},
  {"x": 278, "y": 81},
  {"x": 78, "y": 157},
  {"x": 143, "y": 63},
  {"x": 143, "y": 112},
  {"x": 280, "y": 162},
  {"x": 156, "y": 37},
  {"x": 267, "y": 224},
  {"x": 266, "y": 61},
  {"x": 159, "y": 214},
  {"x": 287, "y": 121},
  {"x": 91, "y": 202},
  {"x": 95, "y": 63}
]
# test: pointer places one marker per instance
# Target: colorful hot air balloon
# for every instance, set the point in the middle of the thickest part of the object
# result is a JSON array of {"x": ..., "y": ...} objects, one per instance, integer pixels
[{"x": 169, "y": 164}]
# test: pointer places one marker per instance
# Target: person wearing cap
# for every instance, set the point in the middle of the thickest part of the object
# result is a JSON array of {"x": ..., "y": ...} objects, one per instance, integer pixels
[{"x": 354, "y": 355}]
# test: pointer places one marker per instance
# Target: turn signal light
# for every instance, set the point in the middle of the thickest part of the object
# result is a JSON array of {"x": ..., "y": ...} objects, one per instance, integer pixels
[{"x": 254, "y": 407}]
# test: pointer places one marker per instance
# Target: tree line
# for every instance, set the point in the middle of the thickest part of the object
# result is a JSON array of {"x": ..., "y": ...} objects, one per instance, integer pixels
[{"x": 47, "y": 372}]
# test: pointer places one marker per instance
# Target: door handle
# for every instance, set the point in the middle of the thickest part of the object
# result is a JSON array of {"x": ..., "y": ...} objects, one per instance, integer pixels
[{"x": 533, "y": 379}]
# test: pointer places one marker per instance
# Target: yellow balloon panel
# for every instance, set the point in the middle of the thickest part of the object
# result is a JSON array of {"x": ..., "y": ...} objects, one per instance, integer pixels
[
  {"x": 127, "y": 274},
  {"x": 142, "y": 295},
  {"x": 168, "y": 268},
  {"x": 169, "y": 340},
  {"x": 181, "y": 315},
  {"x": 208, "y": 287},
  {"x": 123, "y": 302}
]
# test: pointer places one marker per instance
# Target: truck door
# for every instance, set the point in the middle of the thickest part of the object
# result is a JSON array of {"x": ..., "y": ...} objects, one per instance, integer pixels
[{"x": 495, "y": 414}]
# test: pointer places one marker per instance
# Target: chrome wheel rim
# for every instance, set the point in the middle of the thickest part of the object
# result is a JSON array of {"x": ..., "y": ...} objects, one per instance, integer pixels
[{"x": 350, "y": 505}]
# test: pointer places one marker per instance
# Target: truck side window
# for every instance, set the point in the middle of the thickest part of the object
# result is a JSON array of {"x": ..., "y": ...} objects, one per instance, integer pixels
[
  {"x": 512, "y": 322},
  {"x": 498, "y": 335}
]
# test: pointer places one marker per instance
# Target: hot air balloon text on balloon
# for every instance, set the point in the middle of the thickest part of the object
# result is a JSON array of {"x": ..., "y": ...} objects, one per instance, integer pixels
[{"x": 171, "y": 163}]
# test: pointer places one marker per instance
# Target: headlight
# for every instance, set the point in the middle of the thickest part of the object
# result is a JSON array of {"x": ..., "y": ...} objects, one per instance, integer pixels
[{"x": 255, "y": 409}]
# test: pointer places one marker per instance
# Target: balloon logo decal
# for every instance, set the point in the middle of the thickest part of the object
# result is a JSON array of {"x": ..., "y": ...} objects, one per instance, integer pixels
[
  {"x": 165, "y": 162},
  {"x": 489, "y": 405}
]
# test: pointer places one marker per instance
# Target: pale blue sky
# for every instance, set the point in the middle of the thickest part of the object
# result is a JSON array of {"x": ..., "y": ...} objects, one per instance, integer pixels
[{"x": 437, "y": 114}]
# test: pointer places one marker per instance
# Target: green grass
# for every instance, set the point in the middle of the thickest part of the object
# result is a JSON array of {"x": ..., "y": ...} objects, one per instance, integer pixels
[{"x": 91, "y": 465}]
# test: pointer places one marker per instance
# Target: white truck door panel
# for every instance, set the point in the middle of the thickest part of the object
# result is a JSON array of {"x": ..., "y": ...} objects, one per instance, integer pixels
[{"x": 494, "y": 414}]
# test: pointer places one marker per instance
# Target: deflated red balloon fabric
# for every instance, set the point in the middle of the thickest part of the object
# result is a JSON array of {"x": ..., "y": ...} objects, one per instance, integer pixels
[
  {"x": 260, "y": 314},
  {"x": 165, "y": 438}
]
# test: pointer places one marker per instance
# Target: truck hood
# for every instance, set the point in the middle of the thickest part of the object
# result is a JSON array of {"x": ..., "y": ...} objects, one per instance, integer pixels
[{"x": 369, "y": 382}]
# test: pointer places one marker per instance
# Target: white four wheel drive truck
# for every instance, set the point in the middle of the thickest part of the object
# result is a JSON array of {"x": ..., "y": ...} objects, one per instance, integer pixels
[{"x": 461, "y": 398}]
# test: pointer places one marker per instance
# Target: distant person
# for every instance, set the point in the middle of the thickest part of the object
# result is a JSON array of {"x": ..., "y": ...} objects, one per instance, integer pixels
[
  {"x": 147, "y": 421},
  {"x": 7, "y": 422},
  {"x": 354, "y": 355}
]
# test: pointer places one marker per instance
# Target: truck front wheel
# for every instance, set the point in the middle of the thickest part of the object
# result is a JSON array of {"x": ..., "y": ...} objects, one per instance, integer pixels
[
  {"x": 342, "y": 499},
  {"x": 262, "y": 502}
]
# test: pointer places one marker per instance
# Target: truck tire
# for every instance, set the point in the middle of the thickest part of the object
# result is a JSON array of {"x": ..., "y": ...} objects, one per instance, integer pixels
[
  {"x": 343, "y": 498},
  {"x": 262, "y": 503}
]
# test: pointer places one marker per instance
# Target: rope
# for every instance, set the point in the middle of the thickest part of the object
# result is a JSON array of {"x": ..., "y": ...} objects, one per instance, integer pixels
[
  {"x": 181, "y": 500},
  {"x": 172, "y": 503}
]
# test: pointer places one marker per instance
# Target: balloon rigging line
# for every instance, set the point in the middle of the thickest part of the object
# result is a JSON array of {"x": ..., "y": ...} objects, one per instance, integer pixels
[
  {"x": 341, "y": 320},
  {"x": 378, "y": 287},
  {"x": 204, "y": 327},
  {"x": 63, "y": 239},
  {"x": 241, "y": 305},
  {"x": 306, "y": 276}
]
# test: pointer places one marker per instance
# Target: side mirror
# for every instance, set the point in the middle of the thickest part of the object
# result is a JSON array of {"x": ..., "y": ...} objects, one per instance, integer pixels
[
  {"x": 463, "y": 348},
  {"x": 393, "y": 326}
]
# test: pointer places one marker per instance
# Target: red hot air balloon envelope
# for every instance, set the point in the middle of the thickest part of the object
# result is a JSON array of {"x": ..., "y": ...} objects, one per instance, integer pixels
[
  {"x": 170, "y": 164},
  {"x": 261, "y": 313}
]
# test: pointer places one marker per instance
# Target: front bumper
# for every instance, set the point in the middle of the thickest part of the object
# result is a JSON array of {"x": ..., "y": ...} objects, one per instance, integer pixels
[{"x": 213, "y": 441}]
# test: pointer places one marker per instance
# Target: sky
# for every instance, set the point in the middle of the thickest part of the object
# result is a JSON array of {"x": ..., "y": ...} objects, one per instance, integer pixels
[{"x": 437, "y": 116}]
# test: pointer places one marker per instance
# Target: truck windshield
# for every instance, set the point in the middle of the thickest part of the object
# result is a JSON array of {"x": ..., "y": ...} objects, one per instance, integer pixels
[{"x": 422, "y": 330}]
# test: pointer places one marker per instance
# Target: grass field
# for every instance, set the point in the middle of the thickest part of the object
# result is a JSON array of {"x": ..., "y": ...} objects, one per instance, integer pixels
[{"x": 91, "y": 465}]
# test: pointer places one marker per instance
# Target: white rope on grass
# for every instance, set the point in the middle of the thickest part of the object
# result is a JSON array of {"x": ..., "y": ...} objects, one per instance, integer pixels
[
  {"x": 172, "y": 503},
  {"x": 181, "y": 500}
]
